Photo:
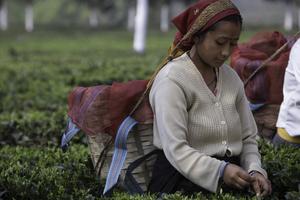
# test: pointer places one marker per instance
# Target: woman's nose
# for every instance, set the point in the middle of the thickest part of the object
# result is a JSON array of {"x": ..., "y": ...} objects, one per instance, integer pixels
[{"x": 226, "y": 50}]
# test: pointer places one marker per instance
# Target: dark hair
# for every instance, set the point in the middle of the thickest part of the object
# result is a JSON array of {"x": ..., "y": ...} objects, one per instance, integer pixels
[{"x": 236, "y": 19}]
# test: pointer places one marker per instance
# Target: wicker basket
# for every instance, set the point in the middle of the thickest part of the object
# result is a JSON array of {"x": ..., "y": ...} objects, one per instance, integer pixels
[
  {"x": 139, "y": 143},
  {"x": 266, "y": 118}
]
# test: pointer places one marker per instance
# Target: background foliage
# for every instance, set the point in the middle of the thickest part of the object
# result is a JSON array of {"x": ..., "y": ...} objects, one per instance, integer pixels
[{"x": 70, "y": 13}]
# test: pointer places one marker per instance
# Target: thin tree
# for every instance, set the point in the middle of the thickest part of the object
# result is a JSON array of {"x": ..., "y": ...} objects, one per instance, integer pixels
[
  {"x": 29, "y": 23},
  {"x": 164, "y": 15},
  {"x": 131, "y": 12},
  {"x": 93, "y": 7},
  {"x": 288, "y": 15},
  {"x": 3, "y": 15},
  {"x": 94, "y": 13},
  {"x": 140, "y": 28},
  {"x": 298, "y": 10}
]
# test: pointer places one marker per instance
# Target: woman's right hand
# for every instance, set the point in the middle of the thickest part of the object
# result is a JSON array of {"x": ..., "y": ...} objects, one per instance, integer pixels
[{"x": 235, "y": 176}]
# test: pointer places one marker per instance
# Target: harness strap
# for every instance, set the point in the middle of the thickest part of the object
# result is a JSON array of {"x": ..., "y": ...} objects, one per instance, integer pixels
[
  {"x": 254, "y": 107},
  {"x": 70, "y": 132},
  {"x": 130, "y": 182},
  {"x": 119, "y": 155}
]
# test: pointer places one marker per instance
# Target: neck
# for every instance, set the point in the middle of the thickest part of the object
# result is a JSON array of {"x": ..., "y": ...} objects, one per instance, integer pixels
[{"x": 204, "y": 68}]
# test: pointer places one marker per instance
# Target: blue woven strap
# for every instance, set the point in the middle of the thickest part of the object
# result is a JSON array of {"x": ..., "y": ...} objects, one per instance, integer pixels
[
  {"x": 120, "y": 153},
  {"x": 69, "y": 133},
  {"x": 255, "y": 107}
]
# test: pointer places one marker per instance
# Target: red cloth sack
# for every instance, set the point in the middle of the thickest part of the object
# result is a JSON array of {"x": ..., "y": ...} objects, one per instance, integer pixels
[
  {"x": 101, "y": 109},
  {"x": 266, "y": 86}
]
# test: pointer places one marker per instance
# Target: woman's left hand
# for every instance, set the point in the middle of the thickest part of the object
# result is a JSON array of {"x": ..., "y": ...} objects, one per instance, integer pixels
[{"x": 261, "y": 186}]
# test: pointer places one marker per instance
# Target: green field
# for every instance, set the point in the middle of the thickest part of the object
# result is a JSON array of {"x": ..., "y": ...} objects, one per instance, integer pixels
[{"x": 38, "y": 70}]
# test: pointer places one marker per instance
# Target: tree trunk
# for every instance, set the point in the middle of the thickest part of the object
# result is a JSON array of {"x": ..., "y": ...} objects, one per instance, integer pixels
[
  {"x": 288, "y": 17},
  {"x": 131, "y": 17},
  {"x": 164, "y": 18},
  {"x": 3, "y": 15},
  {"x": 177, "y": 6},
  {"x": 93, "y": 18},
  {"x": 298, "y": 17},
  {"x": 140, "y": 28},
  {"x": 29, "y": 25}
]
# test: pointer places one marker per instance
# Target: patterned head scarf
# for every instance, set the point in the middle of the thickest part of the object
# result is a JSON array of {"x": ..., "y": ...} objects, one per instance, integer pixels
[{"x": 199, "y": 17}]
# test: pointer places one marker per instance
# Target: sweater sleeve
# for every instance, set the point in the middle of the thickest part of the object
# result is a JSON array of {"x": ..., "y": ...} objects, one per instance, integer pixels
[
  {"x": 169, "y": 105},
  {"x": 250, "y": 156}
]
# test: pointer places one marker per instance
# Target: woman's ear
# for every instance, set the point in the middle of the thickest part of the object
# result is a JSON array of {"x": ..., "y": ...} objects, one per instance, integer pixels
[{"x": 196, "y": 39}]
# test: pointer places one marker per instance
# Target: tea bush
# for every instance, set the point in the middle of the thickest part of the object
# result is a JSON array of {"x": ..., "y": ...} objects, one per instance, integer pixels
[
  {"x": 283, "y": 166},
  {"x": 47, "y": 173},
  {"x": 38, "y": 71}
]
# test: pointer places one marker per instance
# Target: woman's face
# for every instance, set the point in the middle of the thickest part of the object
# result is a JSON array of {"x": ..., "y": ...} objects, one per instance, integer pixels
[{"x": 217, "y": 45}]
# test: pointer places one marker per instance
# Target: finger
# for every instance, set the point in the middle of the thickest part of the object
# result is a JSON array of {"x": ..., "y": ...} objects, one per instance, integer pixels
[
  {"x": 264, "y": 193},
  {"x": 237, "y": 185},
  {"x": 270, "y": 187},
  {"x": 256, "y": 188},
  {"x": 245, "y": 176},
  {"x": 265, "y": 187},
  {"x": 241, "y": 182}
]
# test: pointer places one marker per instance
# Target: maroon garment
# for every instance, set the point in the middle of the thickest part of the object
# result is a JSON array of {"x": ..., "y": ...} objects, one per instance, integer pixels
[
  {"x": 185, "y": 20},
  {"x": 266, "y": 85},
  {"x": 101, "y": 109}
]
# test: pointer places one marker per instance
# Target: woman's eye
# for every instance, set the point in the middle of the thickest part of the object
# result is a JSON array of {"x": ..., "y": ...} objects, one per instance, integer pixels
[{"x": 220, "y": 42}]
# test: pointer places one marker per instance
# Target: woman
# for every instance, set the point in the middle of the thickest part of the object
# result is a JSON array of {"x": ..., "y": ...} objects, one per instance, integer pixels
[
  {"x": 202, "y": 120},
  {"x": 288, "y": 123}
]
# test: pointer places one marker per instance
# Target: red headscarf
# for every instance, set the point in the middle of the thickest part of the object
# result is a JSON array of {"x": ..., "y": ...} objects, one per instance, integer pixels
[{"x": 199, "y": 17}]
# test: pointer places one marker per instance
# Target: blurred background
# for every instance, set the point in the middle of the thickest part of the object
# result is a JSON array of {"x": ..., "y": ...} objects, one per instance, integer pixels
[
  {"x": 119, "y": 14},
  {"x": 136, "y": 16},
  {"x": 133, "y": 15},
  {"x": 36, "y": 14}
]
